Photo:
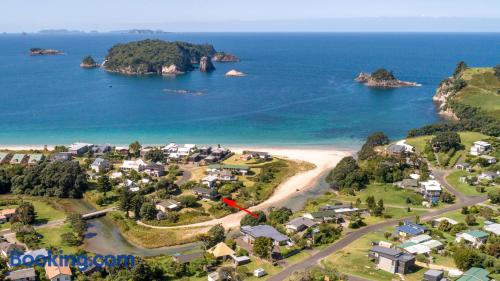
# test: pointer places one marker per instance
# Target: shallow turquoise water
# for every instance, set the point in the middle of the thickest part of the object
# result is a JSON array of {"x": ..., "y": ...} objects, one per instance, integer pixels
[{"x": 299, "y": 89}]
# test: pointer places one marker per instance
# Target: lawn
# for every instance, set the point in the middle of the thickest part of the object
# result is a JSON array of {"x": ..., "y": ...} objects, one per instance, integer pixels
[
  {"x": 419, "y": 142},
  {"x": 52, "y": 238},
  {"x": 392, "y": 195},
  {"x": 481, "y": 90},
  {"x": 454, "y": 180},
  {"x": 43, "y": 207}
]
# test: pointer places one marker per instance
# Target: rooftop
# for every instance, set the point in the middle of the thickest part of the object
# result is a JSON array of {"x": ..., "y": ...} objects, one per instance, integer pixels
[{"x": 264, "y": 231}]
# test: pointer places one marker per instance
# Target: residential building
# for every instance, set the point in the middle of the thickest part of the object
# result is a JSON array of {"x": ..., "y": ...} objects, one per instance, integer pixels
[
  {"x": 259, "y": 154},
  {"x": 450, "y": 221},
  {"x": 167, "y": 205},
  {"x": 34, "y": 158},
  {"x": 391, "y": 260},
  {"x": 252, "y": 232},
  {"x": 58, "y": 273},
  {"x": 122, "y": 150},
  {"x": 408, "y": 183},
  {"x": 100, "y": 165},
  {"x": 474, "y": 237},
  {"x": 195, "y": 157},
  {"x": 430, "y": 190},
  {"x": 299, "y": 224},
  {"x": 221, "y": 250},
  {"x": 100, "y": 149},
  {"x": 240, "y": 169},
  {"x": 408, "y": 148},
  {"x": 62, "y": 156},
  {"x": 143, "y": 151},
  {"x": 132, "y": 186},
  {"x": 79, "y": 148},
  {"x": 19, "y": 159},
  {"x": 205, "y": 150},
  {"x": 420, "y": 238},
  {"x": 7, "y": 248},
  {"x": 240, "y": 260},
  {"x": 6, "y": 214},
  {"x": 209, "y": 181},
  {"x": 321, "y": 216},
  {"x": 492, "y": 227},
  {"x": 155, "y": 170},
  {"x": 4, "y": 157},
  {"x": 396, "y": 150},
  {"x": 480, "y": 148},
  {"x": 464, "y": 166},
  {"x": 205, "y": 193},
  {"x": 488, "y": 176},
  {"x": 475, "y": 274},
  {"x": 214, "y": 276},
  {"x": 489, "y": 159},
  {"x": 137, "y": 165},
  {"x": 27, "y": 274},
  {"x": 433, "y": 275},
  {"x": 226, "y": 175},
  {"x": 259, "y": 272},
  {"x": 35, "y": 254},
  {"x": 170, "y": 148},
  {"x": 410, "y": 229}
]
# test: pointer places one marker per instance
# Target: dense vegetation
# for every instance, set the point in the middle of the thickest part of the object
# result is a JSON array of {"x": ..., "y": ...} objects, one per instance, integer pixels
[
  {"x": 88, "y": 60},
  {"x": 58, "y": 179},
  {"x": 149, "y": 56},
  {"x": 497, "y": 71},
  {"x": 445, "y": 141},
  {"x": 383, "y": 75}
]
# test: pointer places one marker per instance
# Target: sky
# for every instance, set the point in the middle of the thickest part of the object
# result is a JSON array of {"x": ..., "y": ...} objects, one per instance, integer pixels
[{"x": 251, "y": 15}]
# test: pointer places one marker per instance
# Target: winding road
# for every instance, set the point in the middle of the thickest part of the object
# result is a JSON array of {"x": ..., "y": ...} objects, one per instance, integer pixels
[{"x": 440, "y": 175}]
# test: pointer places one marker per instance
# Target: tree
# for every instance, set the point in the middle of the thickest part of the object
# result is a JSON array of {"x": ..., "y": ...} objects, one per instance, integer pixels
[
  {"x": 375, "y": 139},
  {"x": 445, "y": 226},
  {"x": 327, "y": 234},
  {"x": 447, "y": 197},
  {"x": 466, "y": 258},
  {"x": 445, "y": 141},
  {"x": 104, "y": 185},
  {"x": 148, "y": 211},
  {"x": 77, "y": 223},
  {"x": 465, "y": 210},
  {"x": 382, "y": 74},
  {"x": 25, "y": 213},
  {"x": 88, "y": 60},
  {"x": 494, "y": 196},
  {"x": 459, "y": 69},
  {"x": 279, "y": 215},
  {"x": 253, "y": 221},
  {"x": 370, "y": 202},
  {"x": 155, "y": 155},
  {"x": 470, "y": 219},
  {"x": 262, "y": 247},
  {"x": 125, "y": 201},
  {"x": 216, "y": 234},
  {"x": 317, "y": 273},
  {"x": 135, "y": 149},
  {"x": 5, "y": 181},
  {"x": 189, "y": 200},
  {"x": 70, "y": 239},
  {"x": 347, "y": 174}
]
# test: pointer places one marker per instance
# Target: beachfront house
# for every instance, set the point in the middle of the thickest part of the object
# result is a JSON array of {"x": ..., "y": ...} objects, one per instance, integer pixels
[
  {"x": 258, "y": 154},
  {"x": 58, "y": 272},
  {"x": 480, "y": 148},
  {"x": 34, "y": 159},
  {"x": 250, "y": 233},
  {"x": 122, "y": 150},
  {"x": 101, "y": 149},
  {"x": 6, "y": 215},
  {"x": 137, "y": 165},
  {"x": 62, "y": 156},
  {"x": 167, "y": 205},
  {"x": 450, "y": 221},
  {"x": 475, "y": 274},
  {"x": 410, "y": 229},
  {"x": 26, "y": 274},
  {"x": 79, "y": 148},
  {"x": 396, "y": 150},
  {"x": 299, "y": 224},
  {"x": 155, "y": 170},
  {"x": 475, "y": 238},
  {"x": 100, "y": 165},
  {"x": 4, "y": 157},
  {"x": 19, "y": 159},
  {"x": 391, "y": 260},
  {"x": 430, "y": 190},
  {"x": 221, "y": 250},
  {"x": 238, "y": 169}
]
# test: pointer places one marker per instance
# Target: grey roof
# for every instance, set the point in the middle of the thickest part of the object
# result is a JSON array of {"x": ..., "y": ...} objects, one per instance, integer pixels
[
  {"x": 264, "y": 231},
  {"x": 301, "y": 221},
  {"x": 202, "y": 190},
  {"x": 396, "y": 148},
  {"x": 385, "y": 251},
  {"x": 433, "y": 273},
  {"x": 323, "y": 214},
  {"x": 334, "y": 207},
  {"x": 22, "y": 274},
  {"x": 99, "y": 161},
  {"x": 410, "y": 182}
]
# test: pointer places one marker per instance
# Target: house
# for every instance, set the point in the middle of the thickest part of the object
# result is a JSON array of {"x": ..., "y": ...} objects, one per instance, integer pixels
[
  {"x": 450, "y": 221},
  {"x": 6, "y": 214},
  {"x": 488, "y": 176},
  {"x": 391, "y": 260},
  {"x": 433, "y": 244},
  {"x": 155, "y": 170},
  {"x": 299, "y": 224},
  {"x": 221, "y": 250},
  {"x": 137, "y": 165},
  {"x": 187, "y": 258},
  {"x": 409, "y": 229},
  {"x": 474, "y": 237},
  {"x": 100, "y": 149},
  {"x": 35, "y": 254},
  {"x": 321, "y": 216},
  {"x": 417, "y": 249},
  {"x": 492, "y": 227},
  {"x": 132, "y": 186},
  {"x": 240, "y": 169},
  {"x": 430, "y": 190},
  {"x": 464, "y": 166},
  {"x": 34, "y": 158},
  {"x": 205, "y": 193},
  {"x": 116, "y": 175},
  {"x": 100, "y": 165},
  {"x": 480, "y": 148},
  {"x": 252, "y": 232},
  {"x": 4, "y": 157},
  {"x": 408, "y": 183},
  {"x": 240, "y": 260},
  {"x": 79, "y": 148},
  {"x": 205, "y": 150},
  {"x": 144, "y": 150},
  {"x": 209, "y": 180},
  {"x": 19, "y": 159},
  {"x": 226, "y": 175},
  {"x": 62, "y": 156},
  {"x": 27, "y": 274},
  {"x": 58, "y": 273},
  {"x": 122, "y": 150},
  {"x": 259, "y": 154},
  {"x": 170, "y": 148},
  {"x": 167, "y": 205},
  {"x": 420, "y": 238},
  {"x": 214, "y": 276},
  {"x": 396, "y": 150},
  {"x": 489, "y": 159},
  {"x": 475, "y": 274},
  {"x": 7, "y": 248},
  {"x": 183, "y": 152},
  {"x": 259, "y": 272},
  {"x": 433, "y": 275},
  {"x": 408, "y": 148},
  {"x": 195, "y": 157}
]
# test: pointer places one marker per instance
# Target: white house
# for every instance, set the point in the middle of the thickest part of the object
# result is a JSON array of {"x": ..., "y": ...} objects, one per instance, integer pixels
[
  {"x": 431, "y": 190},
  {"x": 79, "y": 148},
  {"x": 136, "y": 165},
  {"x": 167, "y": 205},
  {"x": 489, "y": 176},
  {"x": 479, "y": 148},
  {"x": 132, "y": 186},
  {"x": 492, "y": 227},
  {"x": 474, "y": 237},
  {"x": 209, "y": 180},
  {"x": 100, "y": 165}
]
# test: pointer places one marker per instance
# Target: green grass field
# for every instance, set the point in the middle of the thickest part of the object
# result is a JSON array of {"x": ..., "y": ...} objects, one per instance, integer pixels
[
  {"x": 465, "y": 188},
  {"x": 481, "y": 90},
  {"x": 44, "y": 210},
  {"x": 391, "y": 194},
  {"x": 52, "y": 238}
]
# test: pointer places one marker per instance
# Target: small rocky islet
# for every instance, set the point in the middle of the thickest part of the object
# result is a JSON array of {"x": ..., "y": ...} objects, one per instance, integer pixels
[
  {"x": 89, "y": 62},
  {"x": 42, "y": 52},
  {"x": 382, "y": 78}
]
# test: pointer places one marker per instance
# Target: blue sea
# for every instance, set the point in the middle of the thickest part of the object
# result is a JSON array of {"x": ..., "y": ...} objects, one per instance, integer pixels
[{"x": 299, "y": 89}]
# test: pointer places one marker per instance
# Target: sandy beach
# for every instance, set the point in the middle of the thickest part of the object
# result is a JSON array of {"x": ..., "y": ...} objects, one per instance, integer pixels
[{"x": 323, "y": 158}]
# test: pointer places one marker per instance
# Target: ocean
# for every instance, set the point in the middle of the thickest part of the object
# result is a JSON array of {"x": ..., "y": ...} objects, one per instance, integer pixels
[{"x": 299, "y": 89}]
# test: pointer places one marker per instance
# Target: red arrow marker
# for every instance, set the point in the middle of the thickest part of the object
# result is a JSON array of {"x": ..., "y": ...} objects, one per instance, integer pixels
[{"x": 232, "y": 203}]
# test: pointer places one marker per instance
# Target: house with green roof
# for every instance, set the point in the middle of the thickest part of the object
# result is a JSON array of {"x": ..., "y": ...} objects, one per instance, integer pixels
[
  {"x": 474, "y": 237},
  {"x": 475, "y": 274}
]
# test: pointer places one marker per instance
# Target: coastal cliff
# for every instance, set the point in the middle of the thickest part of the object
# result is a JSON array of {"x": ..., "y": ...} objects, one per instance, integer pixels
[
  {"x": 41, "y": 52},
  {"x": 225, "y": 57},
  {"x": 159, "y": 57},
  {"x": 382, "y": 78},
  {"x": 445, "y": 91}
]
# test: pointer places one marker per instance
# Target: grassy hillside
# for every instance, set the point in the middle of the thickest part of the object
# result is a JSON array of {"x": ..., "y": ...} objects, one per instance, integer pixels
[{"x": 482, "y": 90}]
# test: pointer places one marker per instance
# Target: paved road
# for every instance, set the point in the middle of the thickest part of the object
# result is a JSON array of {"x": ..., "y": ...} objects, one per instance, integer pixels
[{"x": 353, "y": 236}]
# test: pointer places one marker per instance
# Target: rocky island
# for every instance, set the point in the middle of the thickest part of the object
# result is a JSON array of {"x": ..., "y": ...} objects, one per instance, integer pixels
[
  {"x": 89, "y": 62},
  {"x": 383, "y": 78},
  {"x": 235, "y": 73},
  {"x": 159, "y": 57},
  {"x": 225, "y": 57},
  {"x": 41, "y": 51}
]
